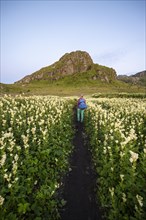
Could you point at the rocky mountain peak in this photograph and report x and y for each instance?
(75, 62)
(69, 64)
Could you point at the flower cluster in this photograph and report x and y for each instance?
(116, 127)
(36, 142)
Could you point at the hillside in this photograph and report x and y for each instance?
(137, 79)
(72, 74)
(69, 64)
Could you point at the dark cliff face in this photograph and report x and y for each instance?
(70, 64)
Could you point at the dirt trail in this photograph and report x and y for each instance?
(80, 183)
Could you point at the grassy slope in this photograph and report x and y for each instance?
(71, 85)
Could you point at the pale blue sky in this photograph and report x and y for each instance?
(35, 34)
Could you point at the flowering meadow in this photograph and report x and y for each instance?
(36, 141)
(117, 132)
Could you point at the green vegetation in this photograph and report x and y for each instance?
(36, 143)
(71, 85)
(73, 74)
(119, 95)
(116, 128)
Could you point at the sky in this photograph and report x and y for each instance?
(37, 33)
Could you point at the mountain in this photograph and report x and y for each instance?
(137, 79)
(141, 74)
(78, 62)
(73, 74)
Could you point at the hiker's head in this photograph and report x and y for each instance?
(81, 96)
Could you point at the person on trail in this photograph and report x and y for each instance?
(81, 106)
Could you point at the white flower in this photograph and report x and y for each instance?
(41, 122)
(16, 179)
(136, 208)
(104, 150)
(111, 131)
(140, 200)
(112, 191)
(16, 157)
(9, 185)
(14, 168)
(26, 146)
(2, 143)
(25, 139)
(112, 138)
(8, 135)
(56, 186)
(10, 129)
(134, 156)
(33, 130)
(121, 154)
(35, 182)
(3, 122)
(122, 177)
(124, 197)
(5, 176)
(2, 161)
(1, 200)
(18, 148)
(104, 143)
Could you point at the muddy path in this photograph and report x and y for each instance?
(79, 188)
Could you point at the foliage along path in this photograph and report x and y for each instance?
(79, 186)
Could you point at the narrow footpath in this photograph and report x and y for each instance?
(80, 183)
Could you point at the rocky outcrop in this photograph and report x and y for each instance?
(75, 62)
(104, 74)
(140, 74)
(70, 64)
(136, 79)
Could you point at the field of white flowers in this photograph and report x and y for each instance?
(117, 133)
(36, 141)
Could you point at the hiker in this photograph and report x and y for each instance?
(81, 106)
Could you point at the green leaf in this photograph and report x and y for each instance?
(22, 208)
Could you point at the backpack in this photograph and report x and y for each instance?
(82, 104)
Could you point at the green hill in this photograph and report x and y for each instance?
(73, 74)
